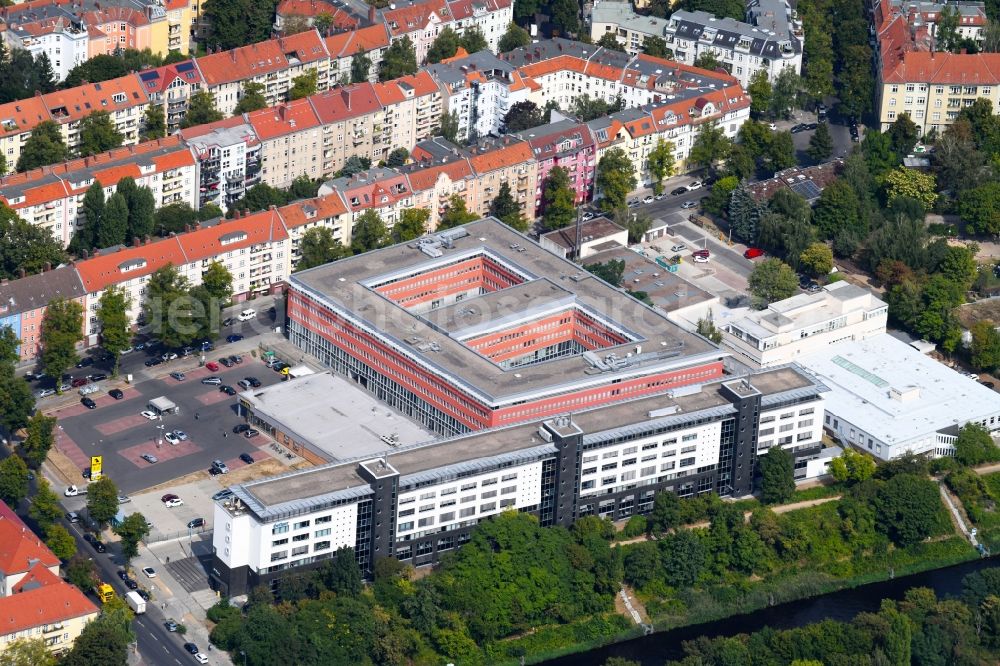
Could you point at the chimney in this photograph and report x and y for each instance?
(48, 267)
(146, 240)
(371, 14)
(187, 227)
(136, 242)
(282, 111)
(346, 94)
(232, 54)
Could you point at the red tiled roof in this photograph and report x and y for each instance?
(346, 102)
(7, 513)
(320, 208)
(38, 576)
(409, 18)
(211, 241)
(286, 118)
(75, 103)
(342, 19)
(272, 55)
(517, 152)
(22, 116)
(54, 602)
(159, 79)
(944, 68)
(20, 549)
(346, 44)
(114, 266)
(424, 177)
(371, 192)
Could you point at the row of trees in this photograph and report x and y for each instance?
(179, 313)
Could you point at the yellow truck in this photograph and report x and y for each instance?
(105, 592)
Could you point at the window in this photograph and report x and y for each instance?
(688, 438)
(299, 526)
(490, 493)
(427, 496)
(424, 522)
(648, 471)
(605, 468)
(405, 527)
(589, 470)
(489, 482)
(426, 507)
(300, 537)
(406, 512)
(489, 506)
(279, 542)
(321, 545)
(687, 462)
(446, 517)
(300, 550)
(323, 519)
(465, 513)
(280, 555)
(279, 528)
(689, 449)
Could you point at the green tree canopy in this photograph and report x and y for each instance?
(251, 99)
(318, 246)
(852, 466)
(777, 470)
(980, 208)
(60, 541)
(370, 232)
(361, 67)
(760, 93)
(17, 399)
(113, 227)
(201, 109)
(154, 123)
(112, 313)
(908, 508)
(236, 23)
(615, 178)
(62, 329)
(711, 145)
(514, 38)
(610, 271)
(45, 508)
(102, 500)
(506, 209)
(820, 144)
(974, 446)
(558, 200)
(661, 164)
(304, 84)
(473, 40)
(168, 307)
(522, 116)
(772, 280)
(817, 259)
(133, 529)
(400, 59)
(445, 45)
(44, 146)
(985, 345)
(13, 480)
(457, 214)
(98, 134)
(412, 224)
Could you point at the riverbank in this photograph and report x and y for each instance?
(731, 623)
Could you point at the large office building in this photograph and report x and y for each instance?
(417, 502)
(478, 327)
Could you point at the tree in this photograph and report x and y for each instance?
(615, 178)
(132, 530)
(141, 208)
(317, 247)
(113, 228)
(817, 260)
(565, 15)
(683, 556)
(780, 152)
(8, 347)
(60, 541)
(304, 85)
(445, 46)
(609, 40)
(514, 38)
(719, 196)
(903, 135)
(218, 282)
(252, 98)
(201, 109)
(656, 47)
(354, 164)
(820, 144)
(239, 22)
(852, 466)
(449, 126)
(666, 513)
(45, 146)
(837, 209)
(706, 328)
(45, 508)
(784, 91)
(904, 182)
(369, 233)
(62, 329)
(98, 134)
(772, 280)
(102, 500)
(112, 313)
(974, 446)
(472, 40)
(558, 200)
(777, 476)
(361, 67)
(661, 164)
(980, 208)
(744, 214)
(610, 271)
(27, 652)
(710, 146)
(985, 345)
(176, 217)
(456, 214)
(587, 108)
(341, 574)
(522, 116)
(93, 210)
(707, 60)
(154, 123)
(906, 508)
(168, 307)
(103, 641)
(17, 399)
(397, 158)
(760, 93)
(505, 208)
(13, 480)
(259, 197)
(412, 224)
(400, 59)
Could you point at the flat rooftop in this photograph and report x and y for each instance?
(344, 286)
(336, 418)
(343, 477)
(667, 290)
(862, 376)
(598, 227)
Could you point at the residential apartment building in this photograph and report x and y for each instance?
(423, 22)
(51, 197)
(770, 41)
(629, 28)
(342, 47)
(348, 116)
(434, 184)
(323, 211)
(385, 191)
(411, 112)
(804, 323)
(228, 153)
(170, 87)
(291, 142)
(342, 17)
(23, 303)
(70, 33)
(274, 64)
(122, 98)
(569, 145)
(36, 602)
(479, 89)
(606, 461)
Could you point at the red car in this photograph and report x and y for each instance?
(79, 381)
(212, 366)
(753, 253)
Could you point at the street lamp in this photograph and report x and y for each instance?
(244, 655)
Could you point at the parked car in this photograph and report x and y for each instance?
(753, 253)
(248, 314)
(79, 381)
(168, 356)
(227, 389)
(677, 248)
(175, 502)
(213, 381)
(242, 427)
(254, 382)
(633, 203)
(207, 346)
(124, 499)
(677, 191)
(222, 494)
(247, 458)
(221, 466)
(149, 571)
(85, 362)
(701, 256)
(251, 433)
(73, 517)
(187, 351)
(122, 574)
(196, 522)
(243, 384)
(236, 358)
(95, 543)
(179, 376)
(150, 414)
(201, 658)
(88, 403)
(150, 458)
(181, 435)
(648, 199)
(97, 377)
(226, 362)
(235, 337)
(172, 439)
(156, 360)
(696, 185)
(131, 584)
(213, 472)
(191, 647)
(212, 366)
(171, 626)
(44, 393)
(228, 321)
(116, 394)
(71, 491)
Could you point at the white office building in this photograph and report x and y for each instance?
(805, 323)
(888, 399)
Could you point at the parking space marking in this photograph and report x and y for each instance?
(213, 397)
(128, 392)
(71, 449)
(69, 411)
(164, 452)
(119, 425)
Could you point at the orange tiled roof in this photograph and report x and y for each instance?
(286, 118)
(38, 576)
(944, 68)
(56, 601)
(320, 208)
(116, 14)
(116, 265)
(346, 102)
(425, 177)
(75, 103)
(342, 20)
(22, 116)
(517, 152)
(261, 58)
(346, 44)
(20, 549)
(410, 18)
(41, 194)
(211, 241)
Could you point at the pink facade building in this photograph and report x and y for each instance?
(567, 144)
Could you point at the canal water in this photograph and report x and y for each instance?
(655, 649)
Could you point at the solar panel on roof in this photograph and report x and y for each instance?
(149, 76)
(185, 66)
(806, 188)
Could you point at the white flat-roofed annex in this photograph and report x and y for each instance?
(336, 418)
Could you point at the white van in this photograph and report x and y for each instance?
(248, 314)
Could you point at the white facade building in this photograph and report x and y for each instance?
(806, 323)
(63, 41)
(888, 399)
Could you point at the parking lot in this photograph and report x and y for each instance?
(117, 431)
